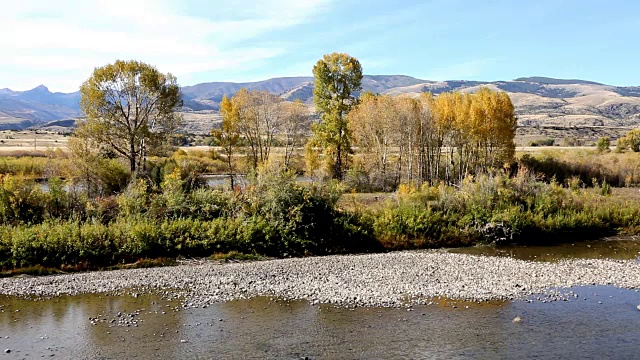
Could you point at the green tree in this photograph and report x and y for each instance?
(603, 144)
(336, 78)
(130, 108)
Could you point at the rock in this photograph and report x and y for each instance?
(517, 319)
(396, 279)
(6, 351)
(496, 233)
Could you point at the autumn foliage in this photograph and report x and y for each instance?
(433, 138)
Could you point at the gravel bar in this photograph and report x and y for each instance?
(391, 279)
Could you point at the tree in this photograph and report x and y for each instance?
(336, 78)
(373, 124)
(228, 134)
(98, 174)
(259, 119)
(603, 144)
(631, 140)
(130, 108)
(293, 128)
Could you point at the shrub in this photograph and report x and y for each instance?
(631, 140)
(603, 144)
(21, 200)
(542, 142)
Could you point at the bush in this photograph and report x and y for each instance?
(542, 142)
(529, 210)
(631, 140)
(275, 216)
(603, 144)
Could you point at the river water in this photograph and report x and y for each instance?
(600, 322)
(619, 248)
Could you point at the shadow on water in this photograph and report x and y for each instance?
(618, 248)
(602, 322)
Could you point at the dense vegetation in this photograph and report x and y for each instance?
(121, 193)
(275, 216)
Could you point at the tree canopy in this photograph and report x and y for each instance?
(337, 77)
(474, 132)
(130, 108)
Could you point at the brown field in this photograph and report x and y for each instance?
(28, 142)
(40, 141)
(585, 135)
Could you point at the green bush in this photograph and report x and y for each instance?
(603, 144)
(275, 216)
(542, 142)
(534, 212)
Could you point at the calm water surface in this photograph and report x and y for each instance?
(620, 248)
(602, 322)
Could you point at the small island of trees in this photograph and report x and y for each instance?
(363, 172)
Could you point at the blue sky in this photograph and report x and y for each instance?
(58, 43)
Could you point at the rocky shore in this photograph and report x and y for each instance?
(391, 279)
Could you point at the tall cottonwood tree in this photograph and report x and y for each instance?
(228, 134)
(374, 127)
(259, 118)
(337, 77)
(130, 108)
(293, 128)
(263, 120)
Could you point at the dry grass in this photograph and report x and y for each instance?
(358, 202)
(618, 169)
(30, 141)
(586, 135)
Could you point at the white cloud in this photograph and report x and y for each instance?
(66, 39)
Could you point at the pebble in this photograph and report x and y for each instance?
(393, 279)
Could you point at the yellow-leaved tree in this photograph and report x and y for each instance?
(131, 110)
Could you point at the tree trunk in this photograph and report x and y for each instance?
(338, 165)
(132, 158)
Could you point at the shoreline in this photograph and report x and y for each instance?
(394, 279)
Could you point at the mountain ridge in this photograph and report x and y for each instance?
(538, 100)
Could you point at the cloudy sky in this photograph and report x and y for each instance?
(58, 43)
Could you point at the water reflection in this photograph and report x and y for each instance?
(61, 326)
(606, 324)
(627, 248)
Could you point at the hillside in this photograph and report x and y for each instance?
(207, 96)
(539, 101)
(21, 109)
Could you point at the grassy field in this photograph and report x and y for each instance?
(27, 141)
(564, 135)
(200, 123)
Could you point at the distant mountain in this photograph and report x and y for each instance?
(552, 81)
(538, 100)
(20, 109)
(207, 96)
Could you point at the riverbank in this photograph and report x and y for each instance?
(277, 217)
(381, 280)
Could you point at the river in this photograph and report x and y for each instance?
(597, 322)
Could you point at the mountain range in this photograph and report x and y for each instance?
(538, 101)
